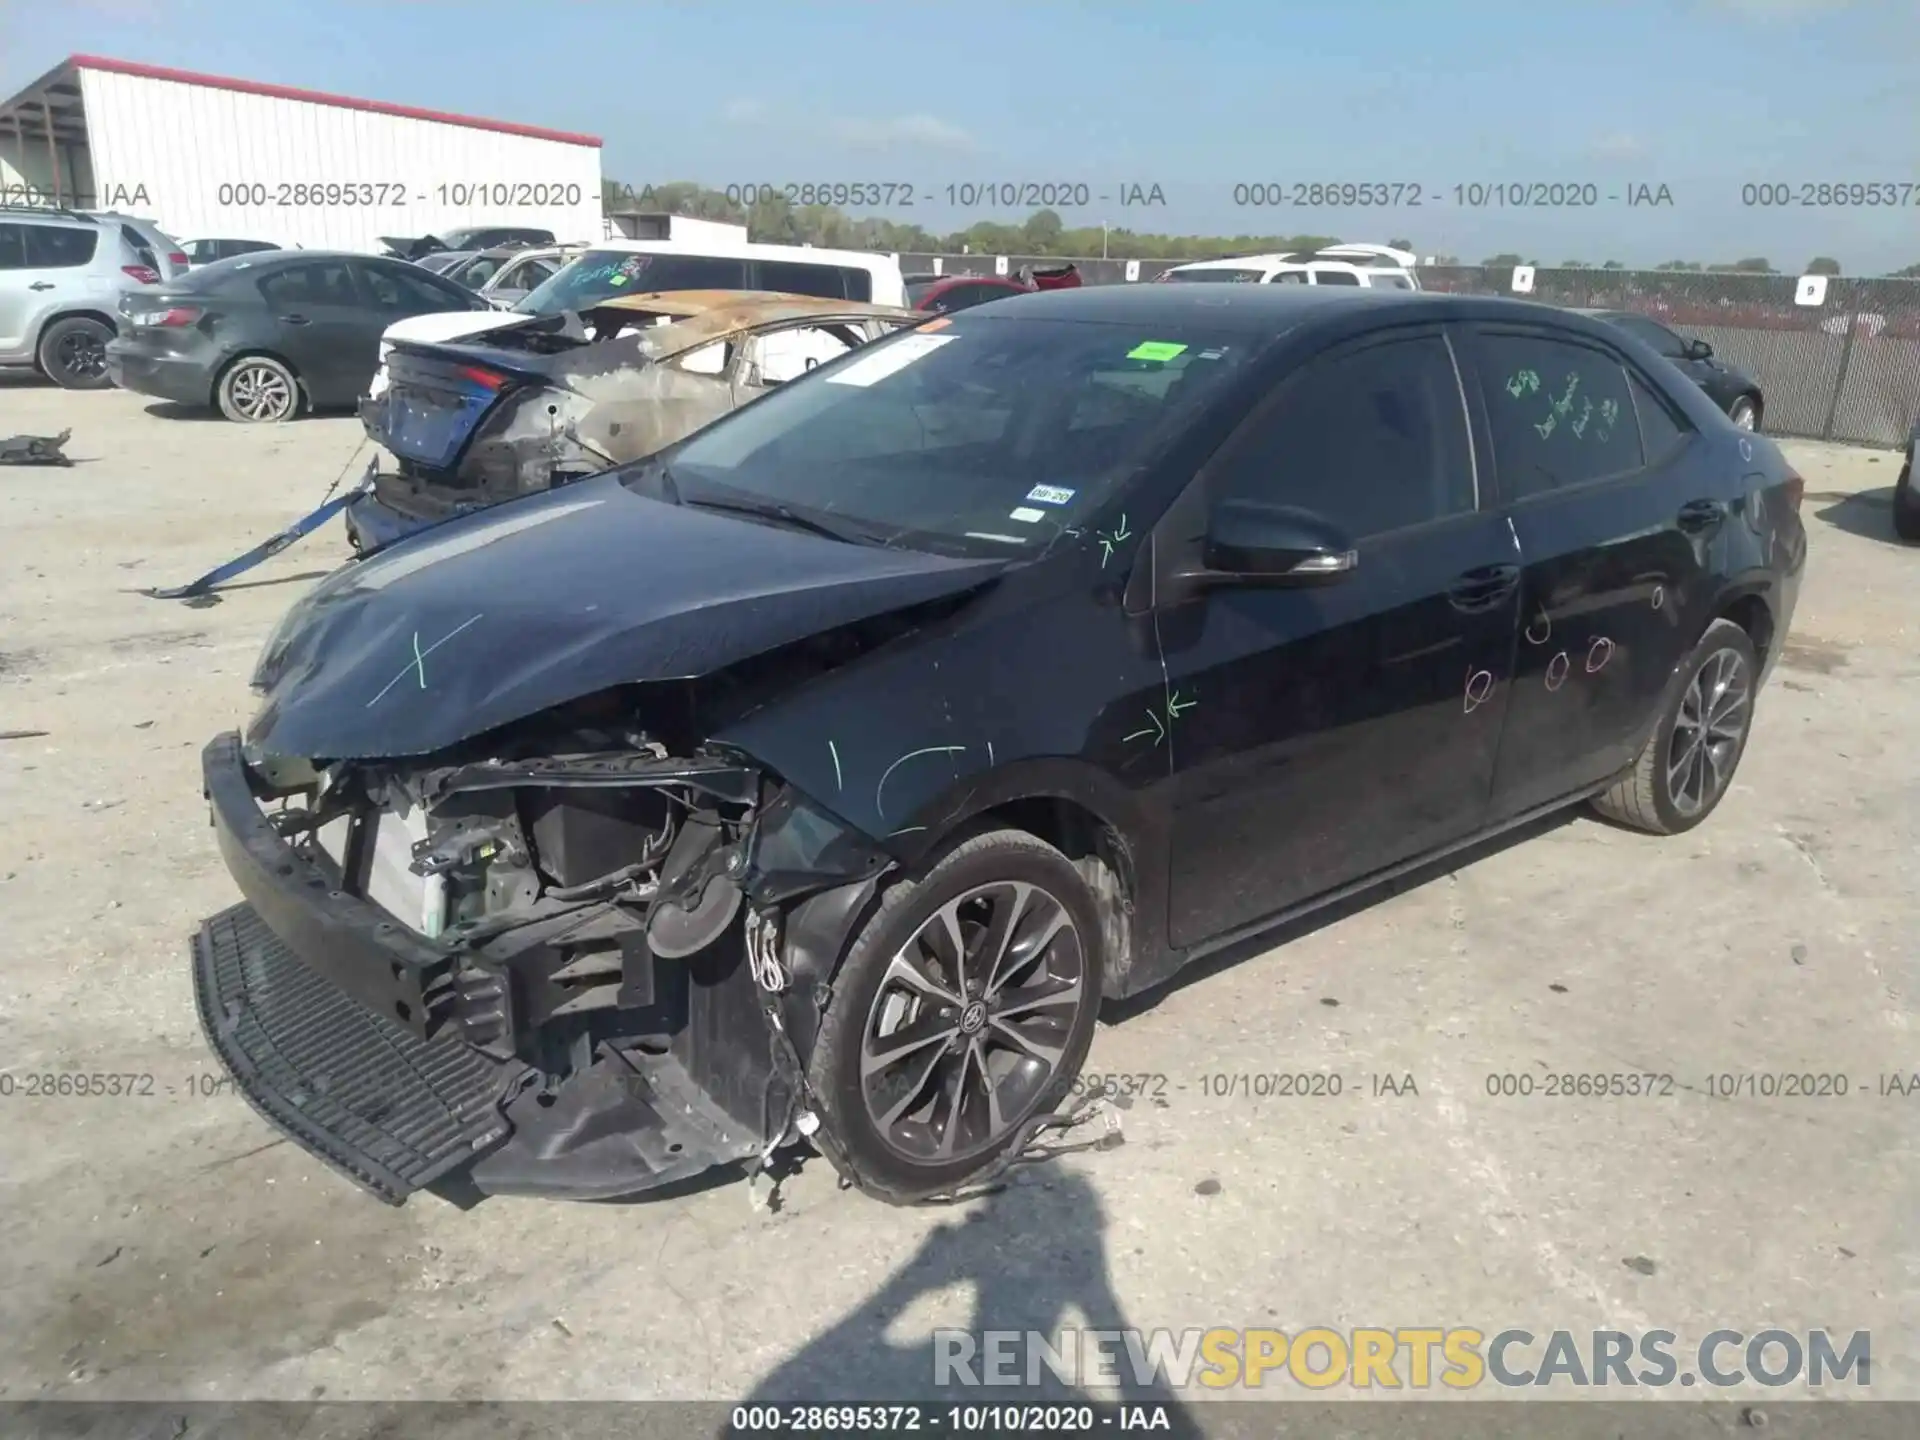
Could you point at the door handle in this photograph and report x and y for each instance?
(296, 319)
(1483, 588)
(42, 285)
(1698, 515)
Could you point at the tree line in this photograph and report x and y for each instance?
(776, 220)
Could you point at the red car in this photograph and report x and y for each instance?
(943, 294)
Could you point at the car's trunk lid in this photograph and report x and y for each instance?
(437, 396)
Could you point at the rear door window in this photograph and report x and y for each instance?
(13, 247)
(60, 247)
(1327, 275)
(1561, 413)
(313, 284)
(400, 291)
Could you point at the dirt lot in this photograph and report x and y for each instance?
(168, 1245)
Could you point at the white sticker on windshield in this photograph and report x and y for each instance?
(1049, 495)
(889, 360)
(1026, 516)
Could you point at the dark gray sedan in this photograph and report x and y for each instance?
(1734, 391)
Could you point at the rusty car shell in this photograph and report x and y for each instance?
(470, 424)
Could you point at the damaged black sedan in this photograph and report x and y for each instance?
(815, 778)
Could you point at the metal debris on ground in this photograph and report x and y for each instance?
(1026, 1148)
(330, 506)
(35, 449)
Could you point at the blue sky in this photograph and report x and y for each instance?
(1192, 95)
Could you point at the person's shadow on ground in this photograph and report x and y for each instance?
(1035, 1257)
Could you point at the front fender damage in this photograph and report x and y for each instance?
(645, 928)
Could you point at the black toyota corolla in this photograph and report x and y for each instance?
(818, 777)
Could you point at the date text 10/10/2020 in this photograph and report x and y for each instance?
(904, 194)
(1473, 195)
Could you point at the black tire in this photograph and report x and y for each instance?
(1648, 796)
(258, 390)
(1906, 506)
(855, 1143)
(73, 353)
(1745, 412)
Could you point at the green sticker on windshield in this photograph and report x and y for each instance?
(1159, 351)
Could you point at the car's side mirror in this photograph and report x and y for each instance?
(1697, 350)
(1249, 542)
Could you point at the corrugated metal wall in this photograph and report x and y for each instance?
(197, 159)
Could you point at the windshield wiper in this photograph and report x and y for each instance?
(785, 515)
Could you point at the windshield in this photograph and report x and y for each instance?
(1217, 275)
(595, 276)
(977, 436)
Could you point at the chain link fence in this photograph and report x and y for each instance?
(1846, 369)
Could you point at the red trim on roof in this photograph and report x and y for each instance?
(320, 97)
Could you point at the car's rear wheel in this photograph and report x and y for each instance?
(256, 390)
(965, 1007)
(1745, 413)
(73, 353)
(1906, 505)
(1684, 770)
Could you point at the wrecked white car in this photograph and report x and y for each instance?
(469, 424)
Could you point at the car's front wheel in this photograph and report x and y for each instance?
(1745, 413)
(964, 1009)
(257, 389)
(73, 353)
(1906, 505)
(1684, 770)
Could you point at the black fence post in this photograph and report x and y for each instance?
(1840, 380)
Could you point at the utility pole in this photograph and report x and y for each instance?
(1103, 239)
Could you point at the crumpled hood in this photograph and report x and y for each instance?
(505, 613)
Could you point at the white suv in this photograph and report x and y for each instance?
(62, 273)
(1368, 266)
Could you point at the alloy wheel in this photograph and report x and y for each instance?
(1708, 731)
(261, 393)
(81, 354)
(971, 1021)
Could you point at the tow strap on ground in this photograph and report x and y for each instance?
(329, 507)
(35, 449)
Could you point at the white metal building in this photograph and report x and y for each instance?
(206, 156)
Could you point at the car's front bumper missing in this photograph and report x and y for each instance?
(392, 1057)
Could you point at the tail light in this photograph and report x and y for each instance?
(1794, 488)
(174, 318)
(483, 377)
(178, 259)
(146, 275)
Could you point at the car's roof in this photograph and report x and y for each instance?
(1253, 307)
(702, 315)
(748, 250)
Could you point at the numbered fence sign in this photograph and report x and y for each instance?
(999, 264)
(1523, 279)
(1810, 290)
